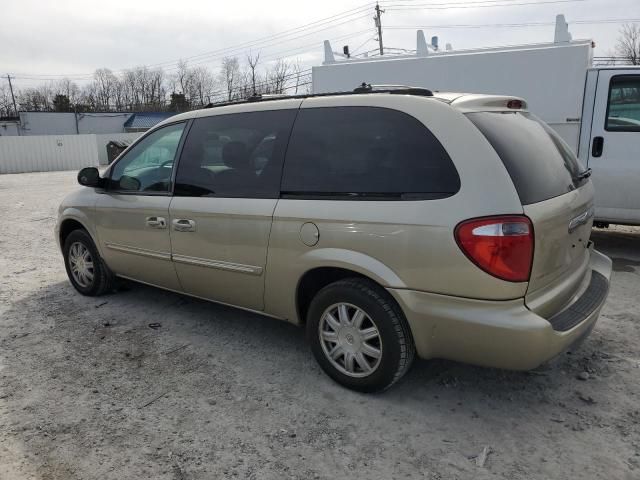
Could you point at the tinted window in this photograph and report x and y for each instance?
(623, 110)
(361, 152)
(147, 166)
(235, 155)
(540, 163)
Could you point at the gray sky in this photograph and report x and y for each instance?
(43, 40)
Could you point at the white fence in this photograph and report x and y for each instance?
(55, 152)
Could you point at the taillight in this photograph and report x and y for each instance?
(501, 246)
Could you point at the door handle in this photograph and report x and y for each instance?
(183, 225)
(597, 146)
(156, 222)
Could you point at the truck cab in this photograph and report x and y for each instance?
(610, 142)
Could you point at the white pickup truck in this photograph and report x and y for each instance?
(609, 142)
(596, 110)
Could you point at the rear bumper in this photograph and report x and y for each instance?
(501, 334)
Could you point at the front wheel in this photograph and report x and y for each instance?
(359, 335)
(85, 269)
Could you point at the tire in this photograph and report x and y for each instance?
(362, 361)
(102, 280)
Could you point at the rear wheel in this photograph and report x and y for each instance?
(359, 335)
(85, 269)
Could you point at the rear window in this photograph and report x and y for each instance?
(365, 153)
(540, 163)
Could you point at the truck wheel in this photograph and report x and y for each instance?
(359, 335)
(86, 270)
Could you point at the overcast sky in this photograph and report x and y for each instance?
(74, 37)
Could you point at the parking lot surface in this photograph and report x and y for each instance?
(89, 391)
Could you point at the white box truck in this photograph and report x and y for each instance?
(596, 110)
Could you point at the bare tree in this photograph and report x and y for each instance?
(129, 88)
(230, 76)
(38, 99)
(182, 76)
(202, 85)
(252, 61)
(277, 76)
(67, 88)
(139, 88)
(628, 46)
(104, 86)
(6, 102)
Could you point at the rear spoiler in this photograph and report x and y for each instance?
(484, 103)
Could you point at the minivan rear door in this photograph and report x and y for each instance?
(556, 195)
(614, 147)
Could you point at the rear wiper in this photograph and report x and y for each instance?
(583, 175)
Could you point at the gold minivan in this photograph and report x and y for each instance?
(389, 222)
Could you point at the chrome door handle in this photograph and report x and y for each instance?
(156, 222)
(183, 225)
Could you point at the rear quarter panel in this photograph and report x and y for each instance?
(400, 244)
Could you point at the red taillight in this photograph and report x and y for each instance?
(501, 246)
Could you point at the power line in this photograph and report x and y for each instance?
(263, 42)
(355, 50)
(461, 5)
(346, 16)
(513, 25)
(249, 44)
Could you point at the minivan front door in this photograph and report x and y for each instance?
(614, 153)
(227, 187)
(132, 216)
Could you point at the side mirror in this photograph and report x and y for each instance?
(89, 177)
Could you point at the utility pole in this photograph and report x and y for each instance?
(15, 109)
(378, 23)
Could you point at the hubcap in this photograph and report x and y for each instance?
(350, 340)
(81, 264)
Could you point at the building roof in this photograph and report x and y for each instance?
(146, 119)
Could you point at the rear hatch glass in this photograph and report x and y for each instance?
(556, 195)
(540, 164)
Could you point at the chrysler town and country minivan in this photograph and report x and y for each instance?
(389, 222)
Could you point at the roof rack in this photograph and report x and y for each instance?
(364, 88)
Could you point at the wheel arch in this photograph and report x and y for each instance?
(316, 278)
(74, 221)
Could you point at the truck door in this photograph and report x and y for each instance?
(614, 151)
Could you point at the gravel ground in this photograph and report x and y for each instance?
(89, 391)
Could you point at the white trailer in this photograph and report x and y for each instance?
(595, 110)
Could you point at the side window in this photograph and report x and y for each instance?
(365, 153)
(148, 165)
(623, 110)
(235, 155)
